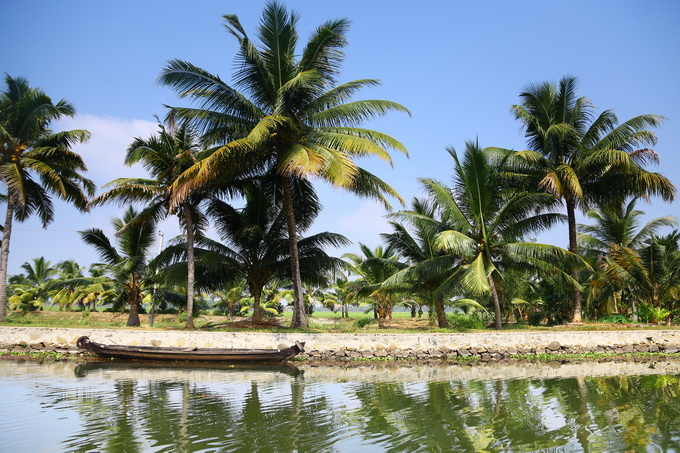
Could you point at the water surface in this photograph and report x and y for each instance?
(135, 407)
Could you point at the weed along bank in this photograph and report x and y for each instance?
(347, 346)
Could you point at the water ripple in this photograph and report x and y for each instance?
(149, 410)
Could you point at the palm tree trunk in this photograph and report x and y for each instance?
(299, 320)
(441, 313)
(191, 266)
(382, 313)
(583, 419)
(133, 298)
(496, 302)
(257, 309)
(4, 259)
(576, 294)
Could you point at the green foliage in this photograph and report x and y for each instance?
(23, 299)
(483, 219)
(268, 307)
(463, 321)
(374, 267)
(650, 313)
(129, 273)
(584, 158)
(616, 318)
(363, 322)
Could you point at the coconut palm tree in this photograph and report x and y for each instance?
(165, 156)
(65, 292)
(36, 163)
(661, 260)
(229, 298)
(487, 223)
(614, 242)
(620, 225)
(254, 247)
(429, 267)
(374, 267)
(339, 295)
(31, 289)
(127, 264)
(286, 113)
(583, 158)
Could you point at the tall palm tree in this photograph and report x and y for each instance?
(583, 158)
(487, 223)
(254, 247)
(285, 113)
(165, 156)
(35, 162)
(127, 264)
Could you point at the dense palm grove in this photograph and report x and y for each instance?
(242, 157)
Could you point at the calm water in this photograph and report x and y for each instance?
(127, 407)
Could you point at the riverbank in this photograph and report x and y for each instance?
(494, 345)
(367, 371)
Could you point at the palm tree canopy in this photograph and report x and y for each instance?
(254, 244)
(284, 111)
(165, 156)
(620, 225)
(34, 161)
(374, 267)
(127, 258)
(414, 238)
(588, 157)
(484, 222)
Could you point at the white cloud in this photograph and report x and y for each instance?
(104, 152)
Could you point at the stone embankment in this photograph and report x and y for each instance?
(483, 345)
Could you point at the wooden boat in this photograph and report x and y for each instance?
(189, 354)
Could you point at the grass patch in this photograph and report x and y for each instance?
(320, 322)
(590, 355)
(41, 355)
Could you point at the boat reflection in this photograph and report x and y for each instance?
(158, 368)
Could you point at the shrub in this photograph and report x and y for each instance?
(462, 321)
(363, 322)
(650, 313)
(616, 318)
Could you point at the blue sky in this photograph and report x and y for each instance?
(458, 66)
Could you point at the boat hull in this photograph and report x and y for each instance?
(189, 354)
